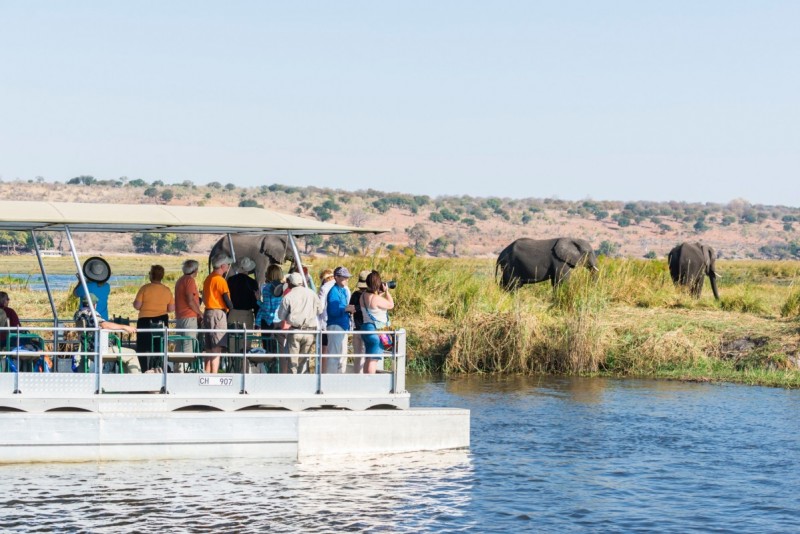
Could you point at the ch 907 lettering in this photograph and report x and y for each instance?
(216, 380)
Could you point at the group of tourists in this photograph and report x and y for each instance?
(288, 309)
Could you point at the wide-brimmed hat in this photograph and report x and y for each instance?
(362, 279)
(245, 265)
(96, 269)
(341, 271)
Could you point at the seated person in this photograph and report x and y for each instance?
(12, 319)
(85, 319)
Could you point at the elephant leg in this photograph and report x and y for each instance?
(510, 282)
(560, 274)
(697, 286)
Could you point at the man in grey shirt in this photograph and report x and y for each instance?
(299, 308)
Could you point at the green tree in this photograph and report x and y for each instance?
(608, 248)
(249, 203)
(701, 226)
(157, 243)
(167, 195)
(229, 187)
(82, 180)
(138, 182)
(321, 213)
(330, 205)
(12, 240)
(151, 192)
(419, 236)
(312, 243)
(439, 246)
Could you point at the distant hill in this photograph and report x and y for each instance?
(444, 226)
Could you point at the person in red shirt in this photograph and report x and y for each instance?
(187, 303)
(13, 318)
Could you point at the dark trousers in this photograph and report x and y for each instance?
(151, 341)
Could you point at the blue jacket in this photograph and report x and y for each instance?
(338, 298)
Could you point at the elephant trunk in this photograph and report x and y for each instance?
(713, 277)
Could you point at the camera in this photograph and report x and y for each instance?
(391, 284)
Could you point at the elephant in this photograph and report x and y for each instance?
(264, 249)
(528, 261)
(689, 263)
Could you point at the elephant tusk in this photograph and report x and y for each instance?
(594, 268)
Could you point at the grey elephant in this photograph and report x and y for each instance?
(690, 263)
(264, 249)
(528, 261)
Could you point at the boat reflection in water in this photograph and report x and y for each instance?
(398, 493)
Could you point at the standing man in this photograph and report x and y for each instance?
(338, 309)
(217, 299)
(244, 296)
(299, 308)
(187, 303)
(244, 293)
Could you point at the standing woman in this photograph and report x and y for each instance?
(267, 318)
(375, 305)
(154, 302)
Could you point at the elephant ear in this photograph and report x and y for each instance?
(568, 251)
(709, 255)
(268, 248)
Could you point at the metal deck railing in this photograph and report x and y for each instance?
(38, 364)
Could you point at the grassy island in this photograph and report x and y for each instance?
(627, 321)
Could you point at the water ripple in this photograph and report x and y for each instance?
(550, 454)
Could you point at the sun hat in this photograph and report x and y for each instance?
(96, 269)
(245, 265)
(295, 279)
(362, 279)
(341, 271)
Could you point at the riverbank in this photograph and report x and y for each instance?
(628, 321)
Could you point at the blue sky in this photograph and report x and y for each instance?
(624, 100)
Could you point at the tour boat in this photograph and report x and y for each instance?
(69, 416)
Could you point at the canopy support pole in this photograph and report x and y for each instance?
(98, 362)
(233, 254)
(44, 277)
(296, 254)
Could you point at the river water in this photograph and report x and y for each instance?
(548, 454)
(62, 282)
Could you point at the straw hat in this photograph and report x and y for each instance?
(96, 269)
(362, 279)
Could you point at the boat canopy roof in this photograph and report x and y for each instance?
(102, 217)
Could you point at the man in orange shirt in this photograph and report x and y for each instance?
(217, 299)
(187, 305)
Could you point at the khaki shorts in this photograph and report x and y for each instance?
(215, 320)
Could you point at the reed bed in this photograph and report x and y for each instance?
(628, 320)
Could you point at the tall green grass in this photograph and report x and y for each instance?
(628, 320)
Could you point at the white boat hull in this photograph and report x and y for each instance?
(279, 435)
